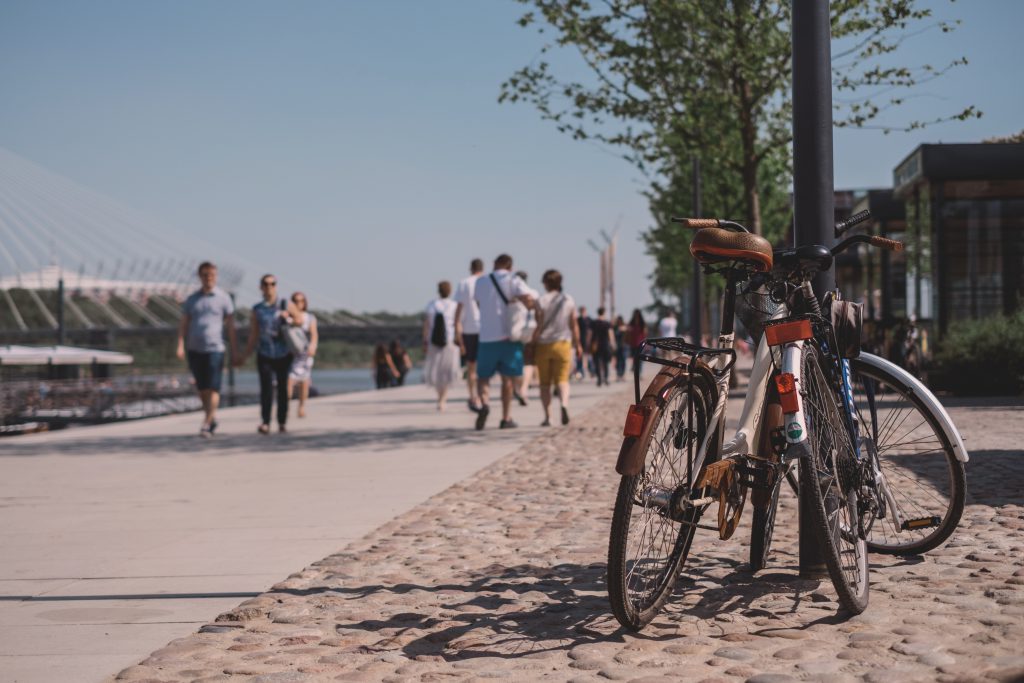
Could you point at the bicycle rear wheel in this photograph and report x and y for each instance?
(648, 544)
(830, 476)
(926, 481)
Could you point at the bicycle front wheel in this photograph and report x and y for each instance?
(830, 476)
(923, 484)
(648, 542)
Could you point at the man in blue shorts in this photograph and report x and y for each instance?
(498, 352)
(205, 314)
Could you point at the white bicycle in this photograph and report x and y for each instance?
(877, 454)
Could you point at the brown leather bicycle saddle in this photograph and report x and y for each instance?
(714, 245)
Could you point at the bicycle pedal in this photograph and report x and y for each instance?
(921, 523)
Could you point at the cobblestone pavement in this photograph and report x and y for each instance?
(501, 576)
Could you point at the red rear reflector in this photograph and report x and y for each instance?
(783, 333)
(635, 419)
(786, 384)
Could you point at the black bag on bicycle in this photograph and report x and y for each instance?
(848, 323)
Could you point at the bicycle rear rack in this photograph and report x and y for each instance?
(678, 345)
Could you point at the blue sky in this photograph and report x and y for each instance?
(357, 149)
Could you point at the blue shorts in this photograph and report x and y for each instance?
(504, 357)
(207, 369)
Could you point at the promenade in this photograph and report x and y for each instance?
(501, 576)
(119, 538)
(493, 569)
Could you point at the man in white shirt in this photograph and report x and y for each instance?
(667, 325)
(467, 328)
(499, 351)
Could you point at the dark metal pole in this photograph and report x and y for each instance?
(60, 312)
(813, 186)
(695, 293)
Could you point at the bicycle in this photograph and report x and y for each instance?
(814, 407)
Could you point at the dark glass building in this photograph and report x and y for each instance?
(964, 233)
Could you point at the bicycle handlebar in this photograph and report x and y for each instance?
(696, 223)
(701, 223)
(873, 240)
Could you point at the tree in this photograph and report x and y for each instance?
(672, 78)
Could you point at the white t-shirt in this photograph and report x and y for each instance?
(492, 308)
(446, 307)
(557, 328)
(667, 327)
(470, 311)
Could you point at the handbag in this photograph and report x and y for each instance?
(515, 316)
(295, 338)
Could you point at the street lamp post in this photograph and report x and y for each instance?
(813, 188)
(696, 300)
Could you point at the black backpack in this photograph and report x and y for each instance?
(438, 334)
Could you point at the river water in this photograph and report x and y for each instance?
(335, 381)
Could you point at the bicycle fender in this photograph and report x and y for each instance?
(926, 396)
(633, 451)
(793, 423)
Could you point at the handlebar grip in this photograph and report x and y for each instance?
(696, 223)
(885, 243)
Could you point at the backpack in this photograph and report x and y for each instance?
(438, 333)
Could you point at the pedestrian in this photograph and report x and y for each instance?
(522, 385)
(583, 361)
(385, 372)
(637, 335)
(301, 374)
(602, 344)
(556, 336)
(442, 368)
(501, 348)
(621, 331)
(400, 359)
(467, 328)
(205, 315)
(667, 325)
(273, 358)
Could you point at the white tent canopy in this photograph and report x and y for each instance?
(60, 355)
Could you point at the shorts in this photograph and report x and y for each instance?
(472, 344)
(504, 357)
(553, 362)
(207, 369)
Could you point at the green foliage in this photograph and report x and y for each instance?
(670, 80)
(984, 356)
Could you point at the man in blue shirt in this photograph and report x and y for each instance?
(205, 314)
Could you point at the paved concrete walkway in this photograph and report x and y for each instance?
(502, 576)
(119, 538)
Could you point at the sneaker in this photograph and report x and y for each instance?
(213, 427)
(481, 416)
(565, 416)
(282, 428)
(508, 424)
(263, 429)
(472, 408)
(205, 432)
(545, 423)
(519, 397)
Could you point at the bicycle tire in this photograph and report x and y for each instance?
(828, 474)
(765, 503)
(633, 610)
(762, 527)
(917, 483)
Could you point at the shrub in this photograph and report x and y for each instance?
(984, 356)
